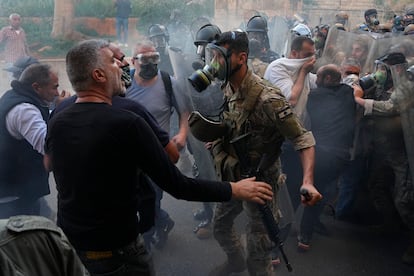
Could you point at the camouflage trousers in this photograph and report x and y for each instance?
(403, 191)
(258, 242)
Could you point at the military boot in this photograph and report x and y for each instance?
(235, 263)
(408, 257)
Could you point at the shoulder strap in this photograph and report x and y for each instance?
(167, 83)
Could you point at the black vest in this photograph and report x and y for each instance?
(22, 173)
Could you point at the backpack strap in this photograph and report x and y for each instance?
(167, 83)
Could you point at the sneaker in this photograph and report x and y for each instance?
(303, 244)
(161, 235)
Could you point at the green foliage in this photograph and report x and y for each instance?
(95, 8)
(37, 17)
(32, 8)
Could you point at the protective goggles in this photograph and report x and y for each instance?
(147, 58)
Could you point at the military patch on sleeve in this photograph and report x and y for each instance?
(285, 112)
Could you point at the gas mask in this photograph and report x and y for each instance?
(372, 19)
(217, 68)
(380, 78)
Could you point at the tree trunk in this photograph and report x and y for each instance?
(63, 17)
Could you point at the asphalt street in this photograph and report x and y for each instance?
(350, 250)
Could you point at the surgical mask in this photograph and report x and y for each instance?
(148, 71)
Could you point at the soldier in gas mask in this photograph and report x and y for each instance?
(392, 143)
(257, 29)
(371, 21)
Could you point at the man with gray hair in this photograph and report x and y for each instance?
(96, 152)
(24, 114)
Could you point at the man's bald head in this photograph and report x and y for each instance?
(328, 75)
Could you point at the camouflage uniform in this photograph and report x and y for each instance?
(261, 110)
(391, 149)
(31, 245)
(259, 67)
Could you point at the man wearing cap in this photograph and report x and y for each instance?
(14, 38)
(24, 112)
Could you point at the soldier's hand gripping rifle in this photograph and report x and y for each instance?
(246, 170)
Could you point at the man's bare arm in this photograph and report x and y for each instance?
(307, 157)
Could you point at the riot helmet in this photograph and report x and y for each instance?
(257, 29)
(158, 34)
(206, 34)
(301, 30)
(257, 24)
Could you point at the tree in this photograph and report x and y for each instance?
(63, 21)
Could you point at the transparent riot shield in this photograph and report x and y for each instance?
(403, 97)
(388, 43)
(182, 66)
(340, 45)
(278, 33)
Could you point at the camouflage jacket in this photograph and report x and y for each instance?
(259, 119)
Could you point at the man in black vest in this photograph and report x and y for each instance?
(24, 111)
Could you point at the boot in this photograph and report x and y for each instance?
(408, 257)
(235, 263)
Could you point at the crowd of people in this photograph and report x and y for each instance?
(332, 114)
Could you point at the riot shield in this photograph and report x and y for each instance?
(384, 44)
(182, 67)
(340, 45)
(403, 96)
(278, 33)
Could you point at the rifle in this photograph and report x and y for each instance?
(246, 170)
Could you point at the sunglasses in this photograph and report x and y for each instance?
(146, 58)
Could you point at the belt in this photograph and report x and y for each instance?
(130, 248)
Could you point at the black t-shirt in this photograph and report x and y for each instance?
(130, 105)
(96, 151)
(332, 115)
